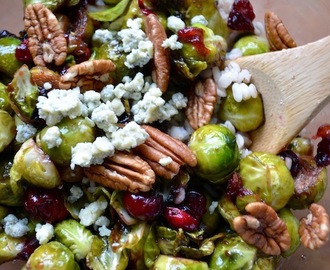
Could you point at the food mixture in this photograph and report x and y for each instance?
(125, 141)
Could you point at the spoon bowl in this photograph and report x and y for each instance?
(295, 86)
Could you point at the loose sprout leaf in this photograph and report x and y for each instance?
(110, 14)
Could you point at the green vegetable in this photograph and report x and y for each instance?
(10, 247)
(267, 176)
(52, 256)
(216, 152)
(252, 44)
(53, 5)
(164, 262)
(7, 129)
(301, 146)
(8, 62)
(4, 99)
(110, 13)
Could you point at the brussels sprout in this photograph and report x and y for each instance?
(267, 176)
(74, 236)
(22, 92)
(4, 99)
(309, 184)
(10, 247)
(7, 129)
(52, 255)
(33, 165)
(233, 253)
(52, 4)
(164, 262)
(216, 151)
(301, 146)
(150, 250)
(111, 13)
(8, 62)
(252, 44)
(58, 141)
(211, 219)
(246, 115)
(292, 224)
(266, 263)
(228, 210)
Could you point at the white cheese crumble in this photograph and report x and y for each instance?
(199, 19)
(44, 232)
(213, 206)
(102, 222)
(75, 194)
(91, 100)
(24, 132)
(175, 23)
(165, 161)
(172, 43)
(92, 212)
(15, 227)
(141, 55)
(52, 137)
(105, 118)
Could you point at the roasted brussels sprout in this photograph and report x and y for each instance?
(233, 253)
(164, 262)
(58, 141)
(216, 151)
(246, 115)
(301, 146)
(8, 62)
(52, 255)
(10, 247)
(266, 263)
(75, 236)
(267, 176)
(52, 4)
(4, 99)
(7, 129)
(252, 44)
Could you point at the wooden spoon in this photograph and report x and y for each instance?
(295, 86)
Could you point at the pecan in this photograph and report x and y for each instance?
(201, 103)
(156, 34)
(46, 39)
(277, 34)
(314, 230)
(92, 74)
(123, 171)
(263, 228)
(160, 146)
(41, 75)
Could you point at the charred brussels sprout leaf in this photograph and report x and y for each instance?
(216, 151)
(7, 129)
(10, 247)
(267, 176)
(74, 236)
(164, 262)
(52, 256)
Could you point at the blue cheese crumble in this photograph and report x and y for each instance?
(44, 232)
(52, 137)
(89, 215)
(15, 227)
(24, 132)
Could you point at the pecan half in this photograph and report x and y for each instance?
(201, 103)
(123, 171)
(314, 230)
(156, 34)
(276, 33)
(46, 39)
(160, 146)
(92, 74)
(41, 75)
(263, 228)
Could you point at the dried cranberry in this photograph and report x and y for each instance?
(22, 52)
(235, 187)
(45, 204)
(178, 218)
(322, 157)
(323, 131)
(194, 36)
(241, 16)
(143, 205)
(143, 8)
(295, 166)
(29, 247)
(195, 203)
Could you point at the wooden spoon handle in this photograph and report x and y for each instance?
(295, 86)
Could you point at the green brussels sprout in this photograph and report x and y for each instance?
(52, 255)
(52, 4)
(228, 210)
(22, 92)
(74, 236)
(4, 99)
(301, 146)
(34, 166)
(310, 184)
(150, 250)
(246, 115)
(7, 129)
(8, 62)
(111, 13)
(165, 262)
(266, 263)
(71, 132)
(10, 247)
(292, 224)
(267, 176)
(216, 151)
(252, 44)
(233, 253)
(211, 220)
(8, 195)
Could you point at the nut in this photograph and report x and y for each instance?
(156, 34)
(92, 74)
(123, 171)
(160, 146)
(201, 103)
(263, 228)
(314, 229)
(277, 34)
(41, 75)
(46, 38)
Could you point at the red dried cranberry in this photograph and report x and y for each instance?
(295, 161)
(322, 157)
(178, 218)
(323, 131)
(194, 36)
(45, 204)
(143, 8)
(241, 16)
(22, 52)
(235, 187)
(143, 205)
(195, 203)
(29, 247)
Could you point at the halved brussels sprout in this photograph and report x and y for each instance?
(267, 176)
(252, 44)
(7, 129)
(10, 247)
(52, 256)
(164, 262)
(216, 151)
